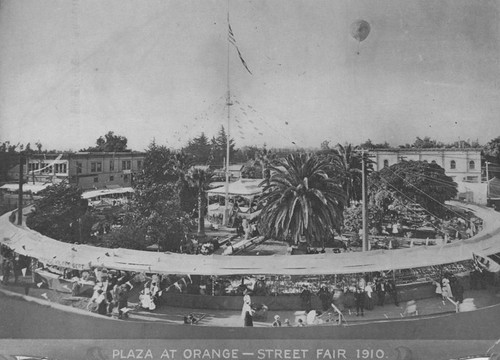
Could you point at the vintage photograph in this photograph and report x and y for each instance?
(249, 179)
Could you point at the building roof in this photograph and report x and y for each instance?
(242, 187)
(103, 192)
(236, 167)
(28, 187)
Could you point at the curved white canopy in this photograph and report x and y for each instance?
(28, 242)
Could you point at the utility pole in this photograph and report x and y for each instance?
(364, 205)
(225, 219)
(20, 195)
(487, 182)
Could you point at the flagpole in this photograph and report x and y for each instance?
(228, 103)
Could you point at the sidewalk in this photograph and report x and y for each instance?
(231, 318)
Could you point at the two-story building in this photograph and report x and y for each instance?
(461, 164)
(87, 170)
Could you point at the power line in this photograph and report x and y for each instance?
(423, 192)
(414, 202)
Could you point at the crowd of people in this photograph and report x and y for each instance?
(111, 293)
(13, 265)
(358, 297)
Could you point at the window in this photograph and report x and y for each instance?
(112, 165)
(453, 164)
(79, 167)
(96, 179)
(472, 165)
(126, 165)
(60, 168)
(95, 166)
(139, 164)
(125, 177)
(386, 163)
(111, 178)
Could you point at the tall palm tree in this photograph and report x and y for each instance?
(350, 174)
(301, 199)
(178, 166)
(200, 179)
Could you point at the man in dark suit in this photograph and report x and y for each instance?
(381, 288)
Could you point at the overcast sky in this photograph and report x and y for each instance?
(70, 71)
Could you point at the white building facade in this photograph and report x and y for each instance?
(462, 165)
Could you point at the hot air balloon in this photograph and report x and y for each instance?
(360, 30)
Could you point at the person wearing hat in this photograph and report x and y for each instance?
(446, 288)
(359, 299)
(305, 297)
(247, 311)
(122, 297)
(325, 297)
(277, 321)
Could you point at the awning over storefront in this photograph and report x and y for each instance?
(30, 243)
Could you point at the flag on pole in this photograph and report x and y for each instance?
(178, 287)
(232, 40)
(486, 263)
(39, 284)
(190, 280)
(44, 295)
(184, 281)
(23, 270)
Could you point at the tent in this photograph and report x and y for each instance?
(247, 189)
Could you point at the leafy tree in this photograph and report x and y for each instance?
(300, 199)
(218, 148)
(156, 215)
(58, 214)
(369, 145)
(109, 143)
(491, 152)
(199, 149)
(348, 165)
(353, 218)
(420, 182)
(179, 165)
(325, 145)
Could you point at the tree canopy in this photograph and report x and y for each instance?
(109, 143)
(301, 200)
(58, 214)
(415, 181)
(218, 148)
(491, 152)
(199, 148)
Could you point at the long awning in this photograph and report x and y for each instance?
(49, 251)
(27, 187)
(242, 187)
(105, 192)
